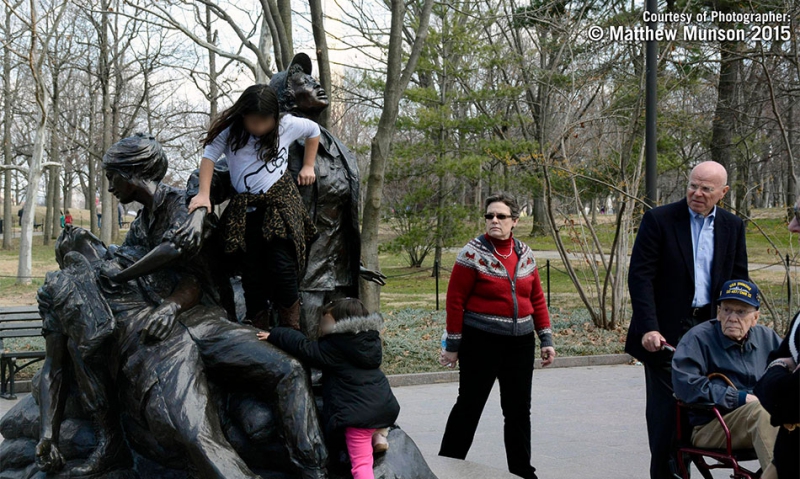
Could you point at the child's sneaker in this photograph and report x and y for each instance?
(379, 442)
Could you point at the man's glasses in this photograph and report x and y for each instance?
(491, 216)
(707, 190)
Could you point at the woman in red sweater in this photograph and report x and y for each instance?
(495, 304)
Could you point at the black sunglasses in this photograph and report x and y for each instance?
(501, 217)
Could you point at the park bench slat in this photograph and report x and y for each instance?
(22, 333)
(23, 354)
(18, 325)
(18, 309)
(31, 316)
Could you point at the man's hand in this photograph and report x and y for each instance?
(48, 457)
(162, 320)
(262, 335)
(750, 398)
(652, 341)
(448, 359)
(306, 176)
(548, 356)
(372, 275)
(200, 201)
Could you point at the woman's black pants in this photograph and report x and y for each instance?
(485, 357)
(269, 269)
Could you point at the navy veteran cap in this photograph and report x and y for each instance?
(740, 290)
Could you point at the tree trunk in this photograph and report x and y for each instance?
(90, 192)
(53, 218)
(725, 117)
(323, 64)
(47, 222)
(213, 87)
(8, 116)
(34, 175)
(57, 204)
(397, 79)
(105, 91)
(285, 12)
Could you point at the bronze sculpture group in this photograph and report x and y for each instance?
(148, 373)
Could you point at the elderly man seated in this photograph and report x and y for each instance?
(735, 347)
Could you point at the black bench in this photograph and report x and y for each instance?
(17, 322)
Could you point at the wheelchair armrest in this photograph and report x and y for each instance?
(702, 406)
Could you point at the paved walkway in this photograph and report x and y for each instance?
(588, 423)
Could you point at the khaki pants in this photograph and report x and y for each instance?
(750, 429)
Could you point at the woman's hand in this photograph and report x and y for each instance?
(262, 335)
(306, 176)
(200, 200)
(548, 356)
(448, 359)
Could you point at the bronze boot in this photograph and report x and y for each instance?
(111, 453)
(290, 317)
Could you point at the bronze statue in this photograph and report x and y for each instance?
(334, 257)
(146, 376)
(100, 332)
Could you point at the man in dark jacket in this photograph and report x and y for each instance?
(684, 251)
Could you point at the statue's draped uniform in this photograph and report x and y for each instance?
(334, 257)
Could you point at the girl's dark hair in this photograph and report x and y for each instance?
(259, 99)
(507, 199)
(345, 308)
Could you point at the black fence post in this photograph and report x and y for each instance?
(548, 283)
(436, 275)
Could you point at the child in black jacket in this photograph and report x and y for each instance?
(357, 398)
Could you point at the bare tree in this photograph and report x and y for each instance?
(397, 78)
(36, 56)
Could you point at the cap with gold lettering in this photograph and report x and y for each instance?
(740, 290)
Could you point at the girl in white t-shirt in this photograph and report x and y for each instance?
(265, 226)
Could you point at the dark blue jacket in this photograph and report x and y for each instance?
(661, 276)
(705, 350)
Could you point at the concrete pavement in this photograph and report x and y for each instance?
(588, 423)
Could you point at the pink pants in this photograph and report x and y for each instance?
(359, 446)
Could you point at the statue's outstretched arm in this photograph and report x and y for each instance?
(185, 243)
(52, 397)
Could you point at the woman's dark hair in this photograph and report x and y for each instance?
(507, 199)
(345, 308)
(259, 99)
(138, 156)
